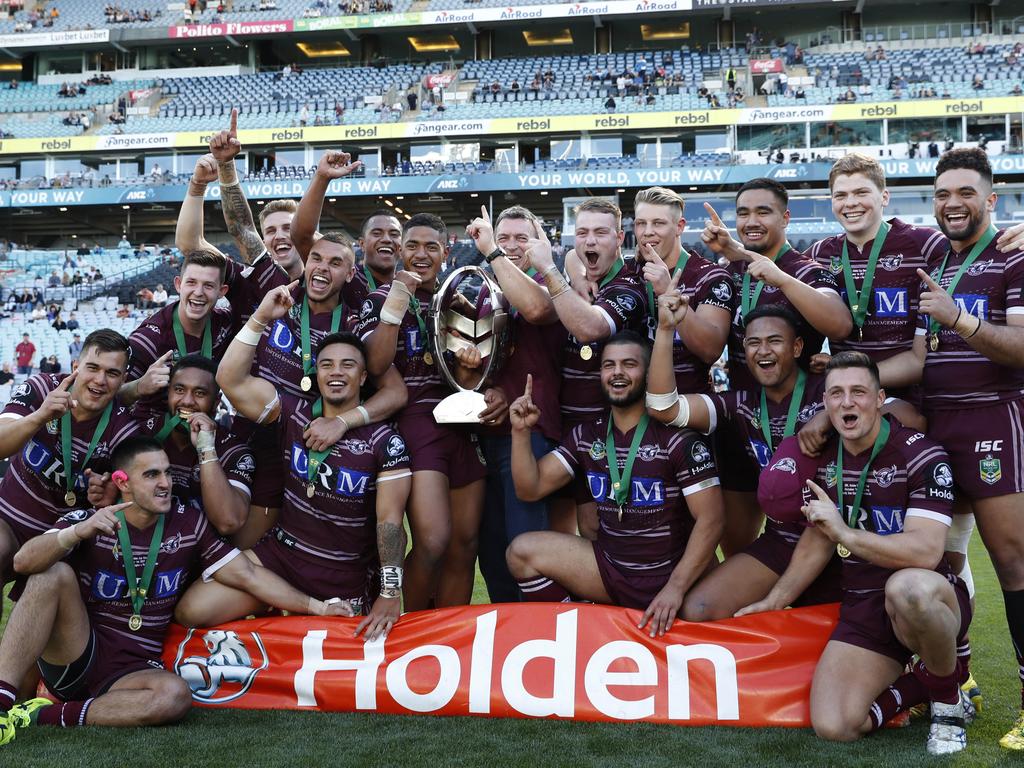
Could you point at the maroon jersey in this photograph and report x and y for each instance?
(892, 314)
(703, 283)
(356, 290)
(190, 549)
(421, 377)
(32, 492)
(279, 353)
(339, 524)
(795, 264)
(739, 412)
(781, 488)
(623, 303)
(955, 375)
(248, 284)
(910, 477)
(670, 464)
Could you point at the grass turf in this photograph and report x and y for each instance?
(224, 738)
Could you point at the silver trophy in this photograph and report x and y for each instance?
(470, 314)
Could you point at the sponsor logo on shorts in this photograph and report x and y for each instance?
(990, 469)
(884, 477)
(943, 475)
(891, 263)
(784, 465)
(700, 453)
(228, 668)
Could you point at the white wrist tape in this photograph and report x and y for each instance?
(396, 304)
(67, 538)
(248, 336)
(205, 441)
(959, 534)
(662, 402)
(365, 414)
(317, 607)
(683, 417)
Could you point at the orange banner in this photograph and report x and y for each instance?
(571, 661)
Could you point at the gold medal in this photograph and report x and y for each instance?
(842, 551)
(310, 490)
(586, 352)
(428, 358)
(306, 383)
(70, 499)
(135, 622)
(933, 342)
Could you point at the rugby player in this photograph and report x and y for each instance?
(657, 495)
(97, 643)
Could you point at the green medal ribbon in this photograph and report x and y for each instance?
(748, 300)
(170, 422)
(414, 305)
(369, 278)
(684, 256)
(859, 302)
(179, 335)
(137, 593)
(795, 403)
(883, 435)
(620, 485)
(531, 272)
(981, 245)
(316, 458)
(612, 273)
(307, 348)
(70, 473)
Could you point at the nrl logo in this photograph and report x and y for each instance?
(51, 426)
(226, 672)
(597, 451)
(830, 474)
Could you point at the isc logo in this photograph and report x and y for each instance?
(984, 446)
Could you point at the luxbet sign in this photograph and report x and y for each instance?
(582, 662)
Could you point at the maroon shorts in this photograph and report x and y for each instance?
(268, 481)
(322, 579)
(732, 453)
(102, 663)
(440, 448)
(864, 622)
(985, 447)
(774, 551)
(628, 590)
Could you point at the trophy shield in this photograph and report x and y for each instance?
(470, 317)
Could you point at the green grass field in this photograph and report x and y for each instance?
(228, 738)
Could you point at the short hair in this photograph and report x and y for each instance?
(660, 196)
(600, 205)
(124, 454)
(204, 258)
(343, 337)
(379, 212)
(106, 340)
(852, 359)
(195, 360)
(855, 162)
(969, 158)
(338, 238)
(435, 223)
(628, 336)
(770, 185)
(277, 206)
(780, 311)
(520, 213)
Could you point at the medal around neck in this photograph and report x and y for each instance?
(469, 312)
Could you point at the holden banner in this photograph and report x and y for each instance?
(529, 660)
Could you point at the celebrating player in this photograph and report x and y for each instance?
(656, 489)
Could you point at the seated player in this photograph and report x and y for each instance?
(882, 497)
(97, 642)
(343, 503)
(658, 502)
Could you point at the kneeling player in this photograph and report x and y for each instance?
(658, 501)
(97, 641)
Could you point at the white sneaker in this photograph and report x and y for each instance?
(948, 733)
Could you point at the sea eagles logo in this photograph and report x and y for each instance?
(171, 546)
(722, 291)
(891, 263)
(356, 447)
(597, 451)
(227, 670)
(700, 453)
(648, 452)
(396, 446)
(784, 465)
(807, 412)
(884, 477)
(978, 268)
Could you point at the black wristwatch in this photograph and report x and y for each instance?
(493, 255)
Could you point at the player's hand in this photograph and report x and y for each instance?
(383, 616)
(656, 271)
(335, 164)
(323, 432)
(819, 362)
(468, 357)
(157, 376)
(576, 273)
(224, 145)
(538, 250)
(200, 422)
(482, 232)
(497, 407)
(523, 413)
(662, 611)
(205, 170)
(814, 434)
(672, 306)
(1012, 239)
(338, 607)
(761, 606)
(58, 401)
(716, 236)
(276, 304)
(764, 269)
(936, 302)
(821, 512)
(99, 491)
(104, 521)
(409, 279)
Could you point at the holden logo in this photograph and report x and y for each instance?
(226, 671)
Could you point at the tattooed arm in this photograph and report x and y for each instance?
(237, 215)
(188, 233)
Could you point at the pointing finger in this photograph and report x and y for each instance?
(65, 385)
(927, 279)
(529, 386)
(674, 282)
(715, 218)
(818, 491)
(233, 130)
(485, 214)
(162, 360)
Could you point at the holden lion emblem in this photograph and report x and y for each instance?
(226, 672)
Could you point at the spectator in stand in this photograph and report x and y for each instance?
(145, 297)
(6, 375)
(38, 314)
(609, 105)
(978, 83)
(159, 295)
(49, 365)
(52, 312)
(58, 323)
(24, 353)
(124, 247)
(54, 279)
(75, 347)
(123, 311)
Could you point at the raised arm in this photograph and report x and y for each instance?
(824, 310)
(39, 553)
(333, 165)
(382, 341)
(583, 320)
(227, 507)
(905, 368)
(533, 480)
(16, 430)
(224, 147)
(188, 232)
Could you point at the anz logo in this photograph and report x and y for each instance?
(644, 491)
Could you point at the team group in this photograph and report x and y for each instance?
(604, 467)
